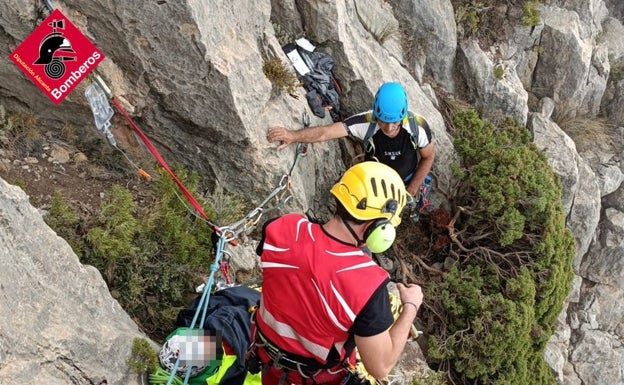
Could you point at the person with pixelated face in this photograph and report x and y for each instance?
(194, 349)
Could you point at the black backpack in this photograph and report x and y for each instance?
(318, 79)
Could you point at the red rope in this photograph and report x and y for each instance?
(225, 271)
(162, 162)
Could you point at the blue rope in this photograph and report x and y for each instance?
(173, 371)
(202, 306)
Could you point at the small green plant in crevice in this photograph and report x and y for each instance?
(282, 35)
(280, 76)
(468, 17)
(538, 49)
(499, 72)
(143, 359)
(19, 183)
(531, 15)
(617, 70)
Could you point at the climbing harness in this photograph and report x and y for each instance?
(416, 205)
(261, 349)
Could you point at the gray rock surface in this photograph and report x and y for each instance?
(576, 83)
(58, 322)
(435, 55)
(497, 98)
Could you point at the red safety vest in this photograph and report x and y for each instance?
(313, 287)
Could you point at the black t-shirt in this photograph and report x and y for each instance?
(373, 319)
(397, 152)
(376, 316)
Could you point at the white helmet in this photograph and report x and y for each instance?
(180, 341)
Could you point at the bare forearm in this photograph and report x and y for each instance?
(399, 332)
(307, 135)
(419, 177)
(381, 352)
(314, 134)
(424, 167)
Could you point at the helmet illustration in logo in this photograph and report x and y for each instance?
(54, 50)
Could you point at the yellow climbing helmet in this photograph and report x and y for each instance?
(372, 190)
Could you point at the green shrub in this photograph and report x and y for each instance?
(282, 78)
(484, 319)
(153, 257)
(65, 221)
(143, 358)
(182, 236)
(467, 17)
(112, 241)
(531, 16)
(497, 307)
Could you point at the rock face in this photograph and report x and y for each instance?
(191, 74)
(58, 322)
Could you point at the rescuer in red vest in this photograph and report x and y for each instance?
(322, 296)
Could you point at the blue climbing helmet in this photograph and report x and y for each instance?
(390, 104)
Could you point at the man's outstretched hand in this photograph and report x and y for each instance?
(280, 134)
